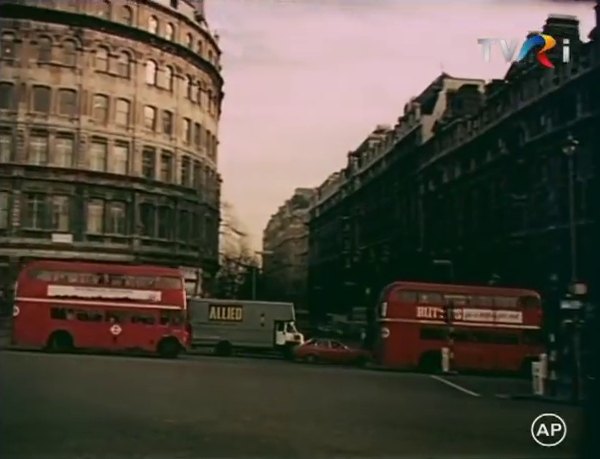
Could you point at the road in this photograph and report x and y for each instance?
(88, 406)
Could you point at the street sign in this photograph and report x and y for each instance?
(116, 329)
(548, 430)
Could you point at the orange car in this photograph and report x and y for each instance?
(325, 350)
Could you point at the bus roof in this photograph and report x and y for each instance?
(461, 289)
(109, 268)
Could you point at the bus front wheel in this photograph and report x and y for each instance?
(60, 341)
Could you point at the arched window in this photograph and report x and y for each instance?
(169, 31)
(105, 8)
(153, 24)
(44, 49)
(124, 65)
(102, 59)
(189, 40)
(69, 54)
(210, 55)
(151, 72)
(127, 15)
(199, 47)
(190, 88)
(7, 46)
(169, 78)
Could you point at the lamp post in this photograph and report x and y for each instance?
(569, 150)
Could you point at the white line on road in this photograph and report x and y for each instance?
(455, 386)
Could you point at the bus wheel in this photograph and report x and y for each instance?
(60, 341)
(169, 348)
(430, 362)
(223, 349)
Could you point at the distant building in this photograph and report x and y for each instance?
(285, 245)
(108, 134)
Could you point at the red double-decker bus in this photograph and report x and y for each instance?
(484, 328)
(66, 305)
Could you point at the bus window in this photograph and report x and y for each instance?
(532, 337)
(144, 319)
(482, 301)
(58, 313)
(461, 336)
(435, 334)
(89, 316)
(116, 317)
(529, 302)
(173, 318)
(407, 297)
(431, 298)
(505, 302)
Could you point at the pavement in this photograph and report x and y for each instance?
(91, 406)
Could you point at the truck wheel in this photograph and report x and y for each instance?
(60, 341)
(169, 348)
(223, 349)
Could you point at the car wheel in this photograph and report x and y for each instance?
(311, 358)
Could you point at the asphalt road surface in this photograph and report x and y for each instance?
(88, 406)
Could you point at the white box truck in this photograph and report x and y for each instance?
(229, 325)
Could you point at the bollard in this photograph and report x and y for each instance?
(536, 379)
(543, 373)
(445, 360)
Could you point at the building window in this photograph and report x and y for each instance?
(7, 96)
(199, 47)
(127, 15)
(166, 166)
(124, 65)
(147, 219)
(69, 54)
(7, 46)
(101, 59)
(151, 73)
(95, 217)
(169, 31)
(175, 4)
(67, 102)
(165, 217)
(210, 55)
(186, 165)
(117, 218)
(189, 40)
(122, 112)
(100, 108)
(153, 24)
(170, 77)
(167, 122)
(184, 225)
(197, 174)
(190, 88)
(35, 211)
(187, 130)
(44, 50)
(6, 147)
(149, 163)
(64, 151)
(104, 9)
(4, 210)
(150, 117)
(120, 158)
(61, 213)
(41, 99)
(197, 134)
(98, 153)
(38, 149)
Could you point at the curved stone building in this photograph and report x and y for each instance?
(108, 133)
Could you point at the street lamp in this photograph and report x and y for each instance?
(255, 270)
(569, 149)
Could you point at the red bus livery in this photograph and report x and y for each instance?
(63, 305)
(485, 328)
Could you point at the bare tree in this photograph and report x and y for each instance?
(236, 258)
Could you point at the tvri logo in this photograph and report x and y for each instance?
(540, 42)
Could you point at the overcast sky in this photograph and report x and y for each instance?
(307, 80)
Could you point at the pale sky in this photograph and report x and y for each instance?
(307, 80)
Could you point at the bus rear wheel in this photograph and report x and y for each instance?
(60, 341)
(169, 348)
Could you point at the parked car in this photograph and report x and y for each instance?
(325, 350)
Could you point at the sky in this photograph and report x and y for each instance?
(307, 80)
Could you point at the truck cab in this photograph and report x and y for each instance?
(287, 334)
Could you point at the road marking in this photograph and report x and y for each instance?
(455, 386)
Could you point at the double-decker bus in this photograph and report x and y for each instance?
(484, 328)
(67, 305)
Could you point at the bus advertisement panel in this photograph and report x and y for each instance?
(65, 305)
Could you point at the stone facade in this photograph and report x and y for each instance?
(109, 118)
(473, 177)
(285, 244)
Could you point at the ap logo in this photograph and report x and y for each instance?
(549, 430)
